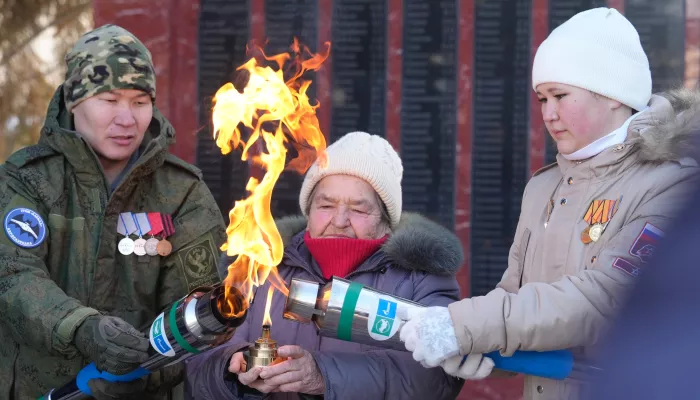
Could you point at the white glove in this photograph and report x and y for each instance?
(475, 367)
(429, 334)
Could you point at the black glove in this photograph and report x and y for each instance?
(112, 344)
(104, 390)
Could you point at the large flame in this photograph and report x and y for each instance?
(283, 106)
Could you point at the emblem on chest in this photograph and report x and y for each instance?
(598, 216)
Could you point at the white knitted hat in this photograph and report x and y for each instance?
(369, 157)
(598, 50)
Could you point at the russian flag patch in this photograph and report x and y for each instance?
(645, 244)
(626, 267)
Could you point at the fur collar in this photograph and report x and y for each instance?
(668, 130)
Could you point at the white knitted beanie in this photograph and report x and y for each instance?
(598, 50)
(369, 157)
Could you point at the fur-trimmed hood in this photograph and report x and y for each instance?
(416, 244)
(669, 129)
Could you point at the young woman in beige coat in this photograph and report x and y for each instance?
(590, 222)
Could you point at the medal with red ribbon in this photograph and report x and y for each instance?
(156, 222)
(164, 247)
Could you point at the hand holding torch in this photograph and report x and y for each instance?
(353, 312)
(204, 318)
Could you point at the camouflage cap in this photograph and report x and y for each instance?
(107, 58)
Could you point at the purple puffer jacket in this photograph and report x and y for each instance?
(418, 262)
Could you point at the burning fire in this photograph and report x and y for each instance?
(326, 297)
(279, 112)
(267, 320)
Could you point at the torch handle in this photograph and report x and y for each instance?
(91, 372)
(79, 388)
(192, 324)
(557, 364)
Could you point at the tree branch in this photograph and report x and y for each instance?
(67, 14)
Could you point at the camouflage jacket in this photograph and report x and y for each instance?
(75, 269)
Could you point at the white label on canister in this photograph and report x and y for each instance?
(159, 340)
(382, 321)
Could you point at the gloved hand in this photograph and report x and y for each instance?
(105, 390)
(154, 386)
(429, 334)
(112, 344)
(475, 367)
(160, 382)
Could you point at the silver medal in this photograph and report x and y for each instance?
(152, 247)
(126, 246)
(140, 247)
(596, 231)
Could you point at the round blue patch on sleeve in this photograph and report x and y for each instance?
(25, 227)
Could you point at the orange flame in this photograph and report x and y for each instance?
(266, 319)
(267, 98)
(326, 296)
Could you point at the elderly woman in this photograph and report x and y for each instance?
(354, 229)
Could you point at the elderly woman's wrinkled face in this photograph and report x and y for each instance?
(345, 206)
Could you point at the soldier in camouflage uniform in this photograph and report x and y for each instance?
(67, 295)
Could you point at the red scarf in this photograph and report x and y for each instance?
(341, 256)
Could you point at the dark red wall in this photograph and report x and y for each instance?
(169, 29)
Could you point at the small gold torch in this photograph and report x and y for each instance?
(264, 351)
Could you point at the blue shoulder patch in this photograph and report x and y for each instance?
(25, 227)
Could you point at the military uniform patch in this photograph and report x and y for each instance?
(25, 227)
(199, 264)
(646, 242)
(626, 267)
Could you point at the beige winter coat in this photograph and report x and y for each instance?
(559, 293)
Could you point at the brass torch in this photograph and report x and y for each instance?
(261, 353)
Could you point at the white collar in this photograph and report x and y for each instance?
(611, 139)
